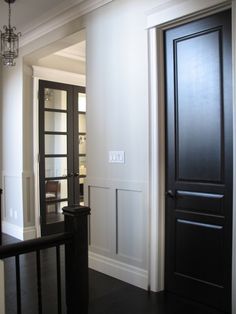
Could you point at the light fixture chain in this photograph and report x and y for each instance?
(9, 15)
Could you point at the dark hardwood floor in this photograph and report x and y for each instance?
(107, 295)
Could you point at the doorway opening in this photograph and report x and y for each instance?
(59, 72)
(62, 151)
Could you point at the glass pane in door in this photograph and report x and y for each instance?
(82, 102)
(55, 121)
(55, 144)
(82, 166)
(55, 99)
(82, 123)
(55, 167)
(82, 143)
(56, 195)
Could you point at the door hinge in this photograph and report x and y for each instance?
(38, 158)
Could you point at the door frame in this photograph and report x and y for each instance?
(41, 73)
(157, 21)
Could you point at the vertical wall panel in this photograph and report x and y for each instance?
(11, 196)
(131, 227)
(99, 219)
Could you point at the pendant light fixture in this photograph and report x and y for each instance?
(9, 40)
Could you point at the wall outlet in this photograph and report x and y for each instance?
(117, 157)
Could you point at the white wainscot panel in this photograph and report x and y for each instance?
(131, 229)
(100, 237)
(12, 199)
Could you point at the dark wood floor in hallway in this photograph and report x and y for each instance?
(107, 295)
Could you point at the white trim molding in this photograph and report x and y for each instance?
(59, 16)
(122, 271)
(18, 232)
(157, 161)
(29, 233)
(171, 10)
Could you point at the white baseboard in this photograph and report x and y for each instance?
(130, 274)
(18, 232)
(29, 233)
(12, 230)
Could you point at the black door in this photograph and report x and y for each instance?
(199, 160)
(59, 138)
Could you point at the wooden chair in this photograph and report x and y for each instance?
(52, 191)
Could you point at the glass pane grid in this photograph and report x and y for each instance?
(55, 132)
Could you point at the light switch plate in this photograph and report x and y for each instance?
(117, 156)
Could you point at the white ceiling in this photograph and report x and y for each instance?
(75, 52)
(28, 14)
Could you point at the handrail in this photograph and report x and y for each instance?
(28, 246)
(75, 239)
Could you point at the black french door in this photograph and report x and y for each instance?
(199, 160)
(58, 152)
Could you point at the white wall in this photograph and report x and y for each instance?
(117, 90)
(17, 151)
(12, 143)
(117, 119)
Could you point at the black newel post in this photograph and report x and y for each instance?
(76, 259)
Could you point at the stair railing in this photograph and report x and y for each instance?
(75, 239)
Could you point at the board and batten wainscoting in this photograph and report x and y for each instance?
(118, 229)
(18, 191)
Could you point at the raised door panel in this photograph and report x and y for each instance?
(198, 106)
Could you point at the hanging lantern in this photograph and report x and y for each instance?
(9, 41)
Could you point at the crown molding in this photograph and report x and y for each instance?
(58, 17)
